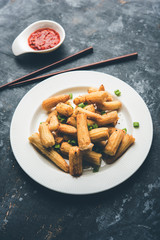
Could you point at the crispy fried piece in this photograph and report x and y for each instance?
(64, 109)
(90, 115)
(50, 153)
(94, 97)
(72, 121)
(51, 102)
(99, 134)
(91, 157)
(67, 129)
(114, 142)
(127, 141)
(92, 89)
(84, 141)
(113, 105)
(101, 88)
(46, 136)
(108, 118)
(75, 161)
(90, 108)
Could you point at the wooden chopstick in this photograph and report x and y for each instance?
(64, 60)
(91, 65)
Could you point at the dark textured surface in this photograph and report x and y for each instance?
(112, 27)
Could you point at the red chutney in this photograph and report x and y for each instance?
(43, 38)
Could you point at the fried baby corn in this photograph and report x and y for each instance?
(84, 141)
(90, 115)
(90, 108)
(112, 105)
(114, 142)
(64, 109)
(127, 141)
(53, 123)
(108, 118)
(46, 136)
(75, 161)
(94, 97)
(98, 134)
(91, 157)
(50, 153)
(67, 129)
(51, 102)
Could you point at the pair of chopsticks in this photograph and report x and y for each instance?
(20, 81)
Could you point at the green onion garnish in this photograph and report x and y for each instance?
(72, 142)
(57, 146)
(136, 124)
(117, 92)
(103, 112)
(71, 95)
(95, 125)
(125, 129)
(82, 105)
(62, 119)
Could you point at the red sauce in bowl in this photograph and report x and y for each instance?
(43, 38)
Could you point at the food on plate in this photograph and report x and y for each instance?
(46, 136)
(114, 142)
(75, 161)
(127, 141)
(51, 102)
(50, 153)
(84, 134)
(64, 109)
(83, 137)
(112, 105)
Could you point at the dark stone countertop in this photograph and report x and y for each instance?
(114, 27)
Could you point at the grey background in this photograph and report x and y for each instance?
(113, 28)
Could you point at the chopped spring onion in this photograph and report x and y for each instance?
(125, 129)
(71, 95)
(117, 92)
(82, 105)
(136, 124)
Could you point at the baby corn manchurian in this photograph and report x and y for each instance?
(108, 118)
(93, 89)
(53, 123)
(46, 136)
(94, 97)
(90, 108)
(51, 102)
(54, 112)
(67, 129)
(90, 115)
(75, 161)
(84, 141)
(98, 134)
(127, 141)
(114, 142)
(73, 122)
(91, 157)
(101, 88)
(50, 153)
(111, 130)
(64, 109)
(113, 105)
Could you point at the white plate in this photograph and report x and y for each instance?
(29, 114)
